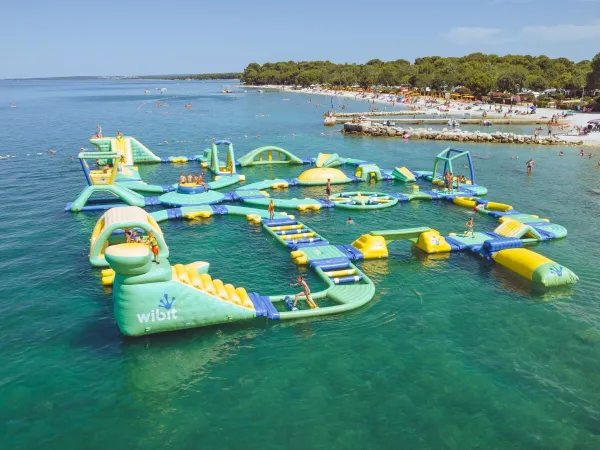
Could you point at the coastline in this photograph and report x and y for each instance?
(457, 110)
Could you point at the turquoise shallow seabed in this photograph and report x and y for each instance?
(451, 353)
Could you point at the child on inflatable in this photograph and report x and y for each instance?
(152, 242)
(469, 226)
(305, 292)
(271, 209)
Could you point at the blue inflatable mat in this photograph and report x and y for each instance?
(300, 245)
(174, 213)
(330, 263)
(455, 245)
(495, 245)
(546, 235)
(151, 201)
(297, 230)
(352, 253)
(400, 197)
(434, 195)
(272, 312)
(219, 209)
(278, 222)
(260, 307)
(347, 279)
(326, 203)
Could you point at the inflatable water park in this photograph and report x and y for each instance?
(152, 294)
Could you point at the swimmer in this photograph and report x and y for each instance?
(305, 292)
(166, 142)
(52, 152)
(258, 136)
(271, 209)
(350, 221)
(529, 164)
(561, 153)
(581, 153)
(469, 226)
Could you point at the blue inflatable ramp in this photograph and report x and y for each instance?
(259, 305)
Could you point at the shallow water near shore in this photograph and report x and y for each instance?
(451, 352)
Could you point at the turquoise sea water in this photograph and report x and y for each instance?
(451, 353)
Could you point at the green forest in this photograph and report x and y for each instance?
(478, 73)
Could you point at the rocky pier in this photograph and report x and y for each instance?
(368, 128)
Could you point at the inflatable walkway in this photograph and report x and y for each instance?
(152, 297)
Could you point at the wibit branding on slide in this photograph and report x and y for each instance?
(156, 315)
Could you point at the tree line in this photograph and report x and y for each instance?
(202, 76)
(479, 73)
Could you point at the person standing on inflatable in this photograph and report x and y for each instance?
(328, 188)
(153, 243)
(271, 209)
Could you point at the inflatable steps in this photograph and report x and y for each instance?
(343, 276)
(189, 275)
(294, 235)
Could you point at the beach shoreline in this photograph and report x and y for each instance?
(456, 110)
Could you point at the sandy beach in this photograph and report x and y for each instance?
(457, 109)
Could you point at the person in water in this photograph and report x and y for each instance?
(469, 226)
(350, 221)
(328, 188)
(153, 243)
(529, 164)
(560, 153)
(305, 292)
(271, 209)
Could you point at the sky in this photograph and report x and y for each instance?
(40, 38)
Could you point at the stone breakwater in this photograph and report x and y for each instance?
(380, 130)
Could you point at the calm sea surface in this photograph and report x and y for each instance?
(451, 353)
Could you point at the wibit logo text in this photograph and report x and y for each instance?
(156, 315)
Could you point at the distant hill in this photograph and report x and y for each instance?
(201, 76)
